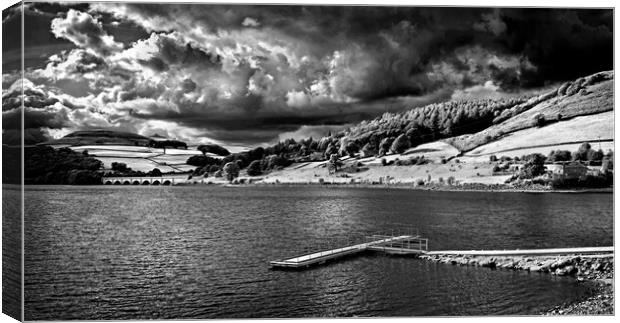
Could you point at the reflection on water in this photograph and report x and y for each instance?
(202, 252)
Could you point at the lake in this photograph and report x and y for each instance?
(149, 252)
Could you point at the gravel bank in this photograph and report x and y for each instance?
(602, 303)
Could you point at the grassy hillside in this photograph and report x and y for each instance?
(591, 128)
(586, 96)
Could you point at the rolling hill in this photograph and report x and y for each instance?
(562, 119)
(99, 137)
(128, 148)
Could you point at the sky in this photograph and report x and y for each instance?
(249, 75)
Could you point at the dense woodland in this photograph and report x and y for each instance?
(46, 165)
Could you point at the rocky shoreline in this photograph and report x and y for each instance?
(591, 268)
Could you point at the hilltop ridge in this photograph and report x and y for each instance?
(99, 137)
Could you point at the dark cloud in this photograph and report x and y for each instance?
(38, 43)
(562, 43)
(263, 127)
(13, 137)
(552, 39)
(34, 118)
(39, 108)
(239, 71)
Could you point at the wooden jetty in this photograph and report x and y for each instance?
(399, 244)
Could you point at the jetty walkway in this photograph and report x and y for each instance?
(399, 244)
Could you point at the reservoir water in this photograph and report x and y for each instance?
(148, 252)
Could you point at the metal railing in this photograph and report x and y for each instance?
(331, 245)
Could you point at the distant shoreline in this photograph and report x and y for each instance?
(445, 188)
(438, 188)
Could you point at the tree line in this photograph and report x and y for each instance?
(46, 165)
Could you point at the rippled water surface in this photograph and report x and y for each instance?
(126, 252)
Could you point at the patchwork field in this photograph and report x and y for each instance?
(141, 158)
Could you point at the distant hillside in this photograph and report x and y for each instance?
(99, 137)
(138, 153)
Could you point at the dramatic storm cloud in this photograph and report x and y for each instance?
(252, 74)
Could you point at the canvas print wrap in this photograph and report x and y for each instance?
(210, 161)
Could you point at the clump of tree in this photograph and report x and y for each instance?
(167, 144)
(533, 167)
(46, 165)
(349, 148)
(275, 162)
(213, 149)
(582, 152)
(333, 165)
(400, 144)
(586, 153)
(384, 145)
(369, 149)
(120, 167)
(202, 161)
(559, 156)
(230, 171)
(255, 168)
(263, 157)
(539, 120)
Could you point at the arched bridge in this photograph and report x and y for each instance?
(141, 180)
